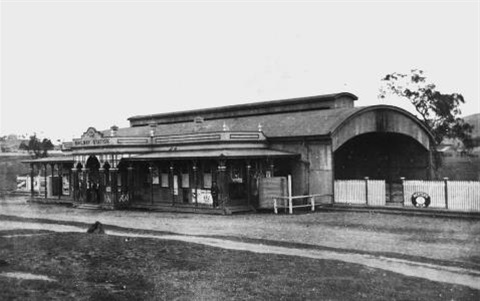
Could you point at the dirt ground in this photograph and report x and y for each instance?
(75, 266)
(42, 265)
(454, 240)
(331, 255)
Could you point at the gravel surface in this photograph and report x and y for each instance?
(435, 238)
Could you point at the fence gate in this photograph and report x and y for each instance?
(394, 192)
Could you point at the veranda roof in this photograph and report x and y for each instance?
(62, 159)
(230, 153)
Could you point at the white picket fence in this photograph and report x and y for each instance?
(376, 193)
(464, 196)
(448, 195)
(350, 192)
(451, 195)
(435, 189)
(364, 192)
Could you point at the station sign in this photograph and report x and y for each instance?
(92, 137)
(93, 142)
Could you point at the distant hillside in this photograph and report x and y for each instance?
(475, 121)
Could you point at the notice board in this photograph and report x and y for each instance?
(269, 188)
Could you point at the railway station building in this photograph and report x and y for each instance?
(216, 159)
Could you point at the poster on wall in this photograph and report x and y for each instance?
(65, 185)
(175, 185)
(22, 183)
(204, 196)
(236, 175)
(155, 178)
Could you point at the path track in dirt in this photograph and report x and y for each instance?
(433, 272)
(440, 239)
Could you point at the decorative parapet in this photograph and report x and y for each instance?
(91, 141)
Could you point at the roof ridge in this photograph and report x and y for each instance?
(326, 101)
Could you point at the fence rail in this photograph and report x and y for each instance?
(287, 202)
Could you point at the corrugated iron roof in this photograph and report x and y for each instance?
(307, 123)
(270, 104)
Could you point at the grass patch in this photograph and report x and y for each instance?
(100, 267)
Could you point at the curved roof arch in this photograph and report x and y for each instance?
(379, 118)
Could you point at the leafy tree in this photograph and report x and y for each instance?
(439, 112)
(37, 148)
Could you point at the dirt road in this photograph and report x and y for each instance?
(454, 241)
(436, 272)
(436, 238)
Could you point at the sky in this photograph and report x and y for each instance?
(67, 65)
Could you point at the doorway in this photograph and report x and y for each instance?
(93, 180)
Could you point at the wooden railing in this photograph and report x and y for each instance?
(287, 202)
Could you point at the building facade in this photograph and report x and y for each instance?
(217, 159)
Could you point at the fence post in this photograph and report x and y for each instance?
(403, 190)
(312, 199)
(290, 208)
(32, 180)
(45, 178)
(366, 190)
(445, 180)
(275, 206)
(333, 191)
